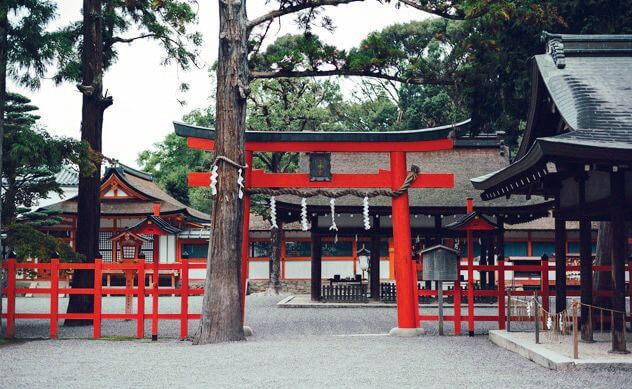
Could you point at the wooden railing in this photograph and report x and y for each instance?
(141, 269)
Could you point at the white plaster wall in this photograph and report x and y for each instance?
(167, 249)
(384, 270)
(197, 274)
(344, 268)
(258, 270)
(297, 269)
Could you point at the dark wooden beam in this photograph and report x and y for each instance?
(585, 267)
(375, 261)
(560, 263)
(500, 249)
(317, 263)
(619, 244)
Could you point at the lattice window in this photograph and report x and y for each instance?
(105, 245)
(148, 247)
(129, 252)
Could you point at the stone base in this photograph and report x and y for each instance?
(406, 332)
(247, 331)
(287, 286)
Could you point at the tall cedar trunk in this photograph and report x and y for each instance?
(93, 106)
(221, 308)
(274, 286)
(276, 239)
(4, 23)
(602, 280)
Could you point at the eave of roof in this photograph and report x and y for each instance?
(442, 132)
(593, 99)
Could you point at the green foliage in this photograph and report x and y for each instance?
(31, 158)
(167, 22)
(30, 46)
(170, 161)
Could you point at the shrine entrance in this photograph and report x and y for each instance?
(321, 182)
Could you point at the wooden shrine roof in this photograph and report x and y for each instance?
(143, 185)
(581, 110)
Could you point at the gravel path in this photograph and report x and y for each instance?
(307, 347)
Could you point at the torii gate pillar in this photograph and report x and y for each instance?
(404, 282)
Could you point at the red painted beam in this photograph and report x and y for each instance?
(382, 179)
(430, 145)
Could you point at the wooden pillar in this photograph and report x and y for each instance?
(375, 260)
(619, 243)
(560, 261)
(483, 261)
(585, 266)
(406, 302)
(500, 250)
(317, 262)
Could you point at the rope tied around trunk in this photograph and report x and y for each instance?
(410, 178)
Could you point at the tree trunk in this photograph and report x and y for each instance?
(602, 280)
(93, 106)
(4, 10)
(221, 308)
(274, 286)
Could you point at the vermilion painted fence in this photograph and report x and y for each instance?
(500, 291)
(140, 291)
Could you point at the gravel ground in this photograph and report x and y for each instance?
(307, 347)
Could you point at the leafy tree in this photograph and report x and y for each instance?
(26, 47)
(89, 49)
(171, 160)
(31, 158)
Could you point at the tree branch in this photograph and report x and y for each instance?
(295, 8)
(118, 39)
(345, 72)
(443, 13)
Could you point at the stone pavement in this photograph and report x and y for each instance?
(290, 348)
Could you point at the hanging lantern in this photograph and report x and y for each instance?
(363, 258)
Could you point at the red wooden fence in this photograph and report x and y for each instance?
(97, 316)
(98, 291)
(500, 291)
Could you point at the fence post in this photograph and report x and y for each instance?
(536, 317)
(140, 306)
(457, 304)
(544, 279)
(54, 298)
(184, 298)
(11, 298)
(508, 311)
(98, 281)
(501, 293)
(154, 299)
(576, 332)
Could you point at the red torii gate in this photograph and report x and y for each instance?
(397, 144)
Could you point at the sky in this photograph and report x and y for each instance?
(146, 94)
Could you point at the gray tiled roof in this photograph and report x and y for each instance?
(67, 176)
(589, 81)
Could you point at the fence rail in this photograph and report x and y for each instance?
(141, 268)
(344, 293)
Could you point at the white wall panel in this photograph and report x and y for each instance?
(258, 270)
(344, 268)
(298, 269)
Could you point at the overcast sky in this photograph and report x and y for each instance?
(146, 94)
